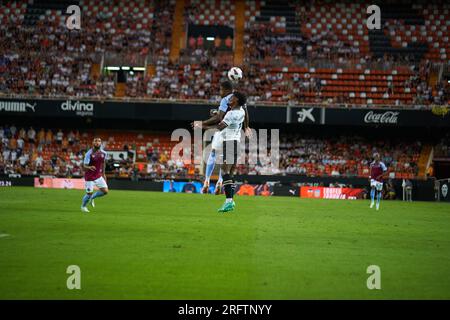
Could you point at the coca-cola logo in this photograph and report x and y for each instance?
(385, 117)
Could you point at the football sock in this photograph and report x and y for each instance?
(97, 194)
(85, 200)
(372, 194)
(228, 187)
(378, 197)
(220, 180)
(210, 165)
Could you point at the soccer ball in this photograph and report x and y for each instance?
(235, 74)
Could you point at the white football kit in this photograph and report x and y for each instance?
(231, 135)
(234, 119)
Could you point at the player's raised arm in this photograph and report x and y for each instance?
(220, 114)
(226, 90)
(213, 120)
(247, 129)
(221, 125)
(246, 119)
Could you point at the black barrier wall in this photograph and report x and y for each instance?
(423, 190)
(142, 185)
(97, 109)
(6, 181)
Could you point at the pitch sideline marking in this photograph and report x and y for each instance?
(4, 235)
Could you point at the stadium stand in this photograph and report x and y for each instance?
(35, 36)
(442, 149)
(294, 51)
(363, 70)
(204, 12)
(60, 153)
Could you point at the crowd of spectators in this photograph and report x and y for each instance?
(32, 63)
(48, 59)
(342, 156)
(31, 151)
(26, 151)
(346, 155)
(442, 149)
(60, 153)
(195, 76)
(265, 49)
(161, 166)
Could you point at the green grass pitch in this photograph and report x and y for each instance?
(146, 245)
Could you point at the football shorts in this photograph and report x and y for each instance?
(230, 151)
(377, 184)
(99, 183)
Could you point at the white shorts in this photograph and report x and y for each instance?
(99, 183)
(217, 141)
(377, 184)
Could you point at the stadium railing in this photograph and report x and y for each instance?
(213, 102)
(350, 64)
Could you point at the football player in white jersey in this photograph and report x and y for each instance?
(230, 133)
(226, 92)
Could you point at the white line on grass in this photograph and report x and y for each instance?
(4, 235)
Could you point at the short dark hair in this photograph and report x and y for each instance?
(242, 99)
(227, 85)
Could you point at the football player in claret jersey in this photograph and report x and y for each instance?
(94, 166)
(230, 133)
(377, 171)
